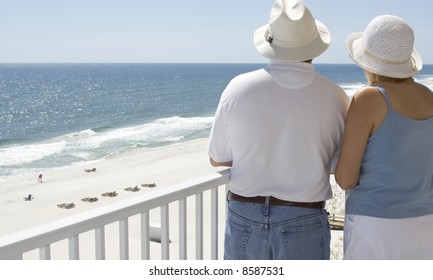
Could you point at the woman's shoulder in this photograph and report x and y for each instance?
(370, 107)
(423, 88)
(369, 96)
(367, 93)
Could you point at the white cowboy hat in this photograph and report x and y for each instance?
(292, 33)
(385, 48)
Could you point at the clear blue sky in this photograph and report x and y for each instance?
(179, 31)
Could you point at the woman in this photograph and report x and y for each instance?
(386, 158)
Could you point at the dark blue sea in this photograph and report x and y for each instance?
(55, 115)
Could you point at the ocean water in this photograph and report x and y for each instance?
(55, 115)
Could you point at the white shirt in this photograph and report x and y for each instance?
(281, 126)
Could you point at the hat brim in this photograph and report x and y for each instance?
(307, 52)
(379, 67)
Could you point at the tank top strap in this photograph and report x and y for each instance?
(383, 92)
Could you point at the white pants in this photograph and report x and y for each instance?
(369, 238)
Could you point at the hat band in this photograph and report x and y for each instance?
(385, 60)
(289, 44)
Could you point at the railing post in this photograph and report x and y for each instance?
(145, 236)
(165, 229)
(45, 253)
(124, 239)
(74, 248)
(199, 226)
(100, 243)
(182, 230)
(214, 224)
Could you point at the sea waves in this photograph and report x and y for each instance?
(99, 143)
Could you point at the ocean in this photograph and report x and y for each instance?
(56, 115)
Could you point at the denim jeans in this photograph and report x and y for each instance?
(267, 232)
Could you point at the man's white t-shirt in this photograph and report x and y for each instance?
(281, 126)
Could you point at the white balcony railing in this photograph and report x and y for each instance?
(133, 218)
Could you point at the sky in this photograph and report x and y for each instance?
(188, 31)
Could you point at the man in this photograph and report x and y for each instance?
(279, 129)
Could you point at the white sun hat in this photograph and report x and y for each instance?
(292, 33)
(386, 48)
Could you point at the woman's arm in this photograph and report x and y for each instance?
(360, 124)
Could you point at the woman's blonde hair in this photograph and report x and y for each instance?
(375, 78)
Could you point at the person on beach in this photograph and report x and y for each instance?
(40, 178)
(279, 129)
(386, 157)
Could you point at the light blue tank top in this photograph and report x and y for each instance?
(396, 179)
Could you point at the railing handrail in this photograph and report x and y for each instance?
(39, 236)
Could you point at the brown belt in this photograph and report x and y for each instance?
(275, 201)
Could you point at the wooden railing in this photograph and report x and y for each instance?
(154, 206)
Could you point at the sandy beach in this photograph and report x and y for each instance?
(162, 166)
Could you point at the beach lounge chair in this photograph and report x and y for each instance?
(90, 199)
(110, 194)
(134, 189)
(149, 185)
(66, 205)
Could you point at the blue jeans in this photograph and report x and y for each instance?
(267, 232)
